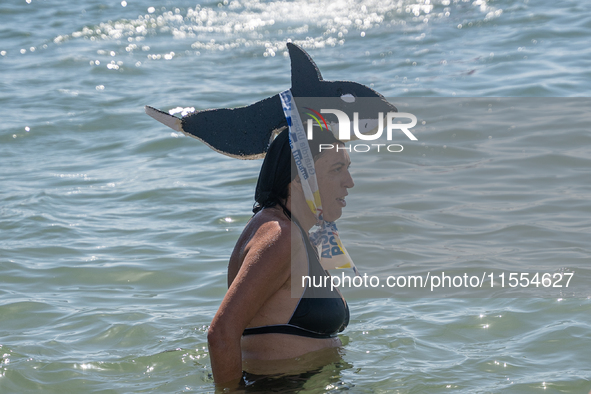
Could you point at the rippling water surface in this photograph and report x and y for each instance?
(116, 231)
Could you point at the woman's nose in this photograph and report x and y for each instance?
(348, 182)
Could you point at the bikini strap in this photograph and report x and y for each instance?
(305, 235)
(286, 211)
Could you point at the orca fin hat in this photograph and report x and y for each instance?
(246, 132)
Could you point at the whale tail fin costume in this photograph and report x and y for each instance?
(246, 132)
(241, 133)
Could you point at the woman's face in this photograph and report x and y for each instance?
(332, 174)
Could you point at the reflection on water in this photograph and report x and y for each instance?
(115, 233)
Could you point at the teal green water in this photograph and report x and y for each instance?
(116, 231)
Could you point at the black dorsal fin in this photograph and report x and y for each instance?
(304, 72)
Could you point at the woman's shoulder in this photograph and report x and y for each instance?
(269, 223)
(267, 233)
(269, 228)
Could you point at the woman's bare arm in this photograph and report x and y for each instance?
(265, 269)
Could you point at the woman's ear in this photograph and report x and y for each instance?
(296, 184)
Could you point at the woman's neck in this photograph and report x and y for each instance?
(300, 210)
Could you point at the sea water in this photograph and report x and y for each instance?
(116, 231)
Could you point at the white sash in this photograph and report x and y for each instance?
(326, 238)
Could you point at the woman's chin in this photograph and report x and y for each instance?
(333, 216)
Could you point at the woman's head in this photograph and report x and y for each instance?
(278, 168)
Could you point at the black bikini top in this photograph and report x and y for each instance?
(320, 313)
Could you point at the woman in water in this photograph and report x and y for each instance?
(259, 319)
